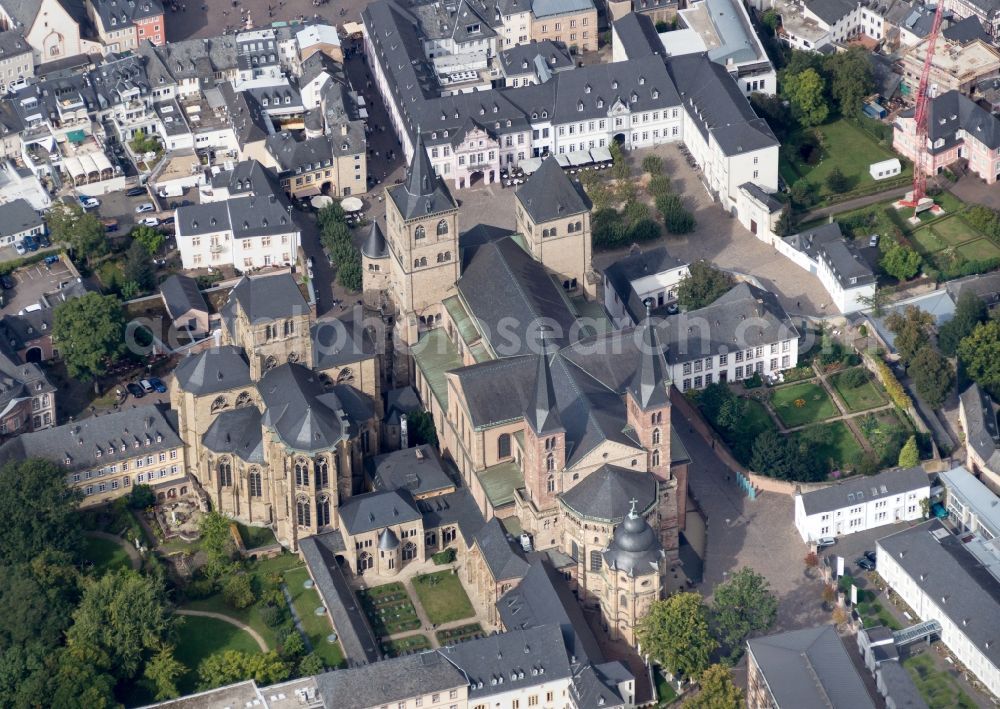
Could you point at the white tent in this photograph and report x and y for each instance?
(530, 165)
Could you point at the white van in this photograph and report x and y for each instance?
(33, 308)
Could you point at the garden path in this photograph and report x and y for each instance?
(133, 553)
(426, 627)
(227, 619)
(848, 417)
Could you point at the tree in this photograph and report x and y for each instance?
(234, 666)
(141, 497)
(675, 634)
(81, 231)
(909, 456)
(802, 193)
(980, 355)
(293, 647)
(912, 331)
(837, 181)
(784, 225)
(311, 664)
(742, 606)
(90, 332)
(620, 168)
(141, 143)
(38, 511)
(138, 268)
(216, 540)
(853, 378)
(877, 300)
(163, 670)
(81, 680)
(717, 691)
(237, 591)
(811, 561)
(703, 285)
(933, 376)
(123, 614)
(421, 428)
(805, 91)
(776, 112)
(969, 312)
(676, 217)
(851, 79)
(900, 262)
(772, 456)
(152, 239)
(652, 165)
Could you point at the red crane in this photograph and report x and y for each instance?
(920, 115)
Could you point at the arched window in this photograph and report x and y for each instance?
(365, 561)
(550, 463)
(440, 257)
(419, 233)
(574, 551)
(254, 483)
(595, 560)
(442, 227)
(409, 551)
(447, 257)
(323, 512)
(656, 436)
(550, 484)
(243, 399)
(503, 446)
(545, 233)
(301, 473)
(416, 263)
(219, 404)
(225, 470)
(623, 601)
(553, 231)
(322, 469)
(578, 226)
(302, 512)
(656, 457)
(289, 327)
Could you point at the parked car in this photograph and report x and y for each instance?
(44, 241)
(865, 564)
(110, 225)
(90, 202)
(135, 390)
(147, 386)
(873, 240)
(870, 555)
(167, 221)
(33, 308)
(30, 243)
(145, 207)
(6, 282)
(51, 259)
(157, 385)
(824, 542)
(150, 222)
(135, 192)
(21, 248)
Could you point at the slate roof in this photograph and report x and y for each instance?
(12, 44)
(841, 256)
(356, 637)
(458, 508)
(23, 11)
(856, 491)
(117, 14)
(966, 30)
(549, 8)
(297, 408)
(831, 11)
(374, 245)
(263, 298)
(199, 58)
(418, 470)
(718, 106)
(18, 216)
(245, 217)
(213, 370)
(634, 548)
(900, 687)
(98, 440)
(638, 35)
(377, 510)
(810, 668)
(549, 194)
(422, 193)
(523, 58)
(542, 598)
(940, 565)
(503, 282)
(390, 681)
(181, 295)
(726, 325)
(981, 432)
(499, 552)
(606, 493)
(237, 432)
(768, 200)
(339, 342)
(298, 156)
(518, 658)
(951, 112)
(622, 272)
(401, 400)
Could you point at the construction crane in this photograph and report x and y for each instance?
(920, 114)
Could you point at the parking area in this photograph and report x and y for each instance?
(853, 546)
(32, 282)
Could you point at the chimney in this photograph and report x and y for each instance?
(404, 434)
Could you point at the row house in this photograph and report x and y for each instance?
(123, 25)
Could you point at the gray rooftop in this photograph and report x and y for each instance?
(981, 423)
(422, 193)
(810, 668)
(377, 510)
(826, 243)
(499, 552)
(299, 410)
(418, 470)
(214, 370)
(952, 112)
(606, 493)
(181, 295)
(18, 216)
(858, 490)
(263, 298)
(638, 265)
(390, 681)
(549, 194)
(457, 508)
(238, 432)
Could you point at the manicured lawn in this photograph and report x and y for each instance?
(403, 646)
(255, 537)
(105, 555)
(843, 450)
(317, 627)
(928, 240)
(664, 690)
(459, 634)
(955, 230)
(442, 597)
(800, 404)
(867, 396)
(979, 250)
(389, 609)
(198, 638)
(938, 688)
(875, 614)
(844, 146)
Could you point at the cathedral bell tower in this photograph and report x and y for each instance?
(544, 439)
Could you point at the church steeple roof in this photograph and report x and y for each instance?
(374, 246)
(542, 414)
(422, 191)
(650, 386)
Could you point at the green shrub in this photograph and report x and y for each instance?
(659, 186)
(237, 591)
(273, 616)
(200, 588)
(652, 164)
(444, 557)
(892, 386)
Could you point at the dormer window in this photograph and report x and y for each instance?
(600, 103)
(633, 98)
(445, 134)
(656, 94)
(579, 106)
(642, 80)
(434, 135)
(614, 84)
(586, 89)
